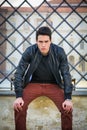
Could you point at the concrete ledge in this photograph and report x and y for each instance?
(79, 92)
(7, 93)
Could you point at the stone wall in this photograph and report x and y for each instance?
(43, 114)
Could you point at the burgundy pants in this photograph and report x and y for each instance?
(34, 90)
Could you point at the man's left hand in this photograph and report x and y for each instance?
(67, 105)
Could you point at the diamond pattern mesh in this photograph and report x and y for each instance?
(68, 22)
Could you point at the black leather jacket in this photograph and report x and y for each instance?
(57, 62)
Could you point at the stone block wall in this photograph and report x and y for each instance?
(43, 114)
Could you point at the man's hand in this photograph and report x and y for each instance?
(18, 104)
(67, 105)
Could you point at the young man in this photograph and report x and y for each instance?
(39, 74)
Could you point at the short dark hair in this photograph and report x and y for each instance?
(43, 31)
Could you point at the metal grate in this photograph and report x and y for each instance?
(18, 23)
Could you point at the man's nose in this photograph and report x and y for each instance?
(43, 44)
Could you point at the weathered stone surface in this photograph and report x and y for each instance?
(42, 114)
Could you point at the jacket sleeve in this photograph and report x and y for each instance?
(64, 69)
(20, 71)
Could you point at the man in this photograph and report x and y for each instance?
(39, 74)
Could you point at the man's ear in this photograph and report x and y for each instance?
(36, 41)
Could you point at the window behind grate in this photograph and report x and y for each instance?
(19, 21)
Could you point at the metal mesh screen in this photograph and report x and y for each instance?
(19, 21)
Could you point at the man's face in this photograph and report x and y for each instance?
(43, 43)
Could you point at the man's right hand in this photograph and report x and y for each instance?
(18, 104)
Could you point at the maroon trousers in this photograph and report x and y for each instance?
(34, 90)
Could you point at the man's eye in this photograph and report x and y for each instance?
(46, 41)
(40, 42)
